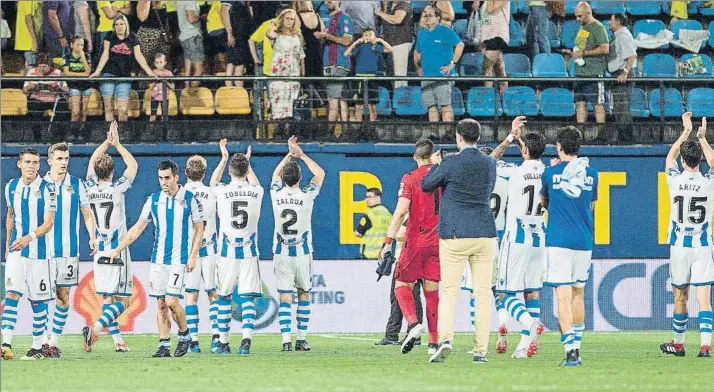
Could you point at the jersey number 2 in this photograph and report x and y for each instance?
(290, 222)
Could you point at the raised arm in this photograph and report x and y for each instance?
(218, 171)
(279, 169)
(101, 149)
(318, 172)
(436, 178)
(252, 178)
(515, 134)
(706, 148)
(671, 161)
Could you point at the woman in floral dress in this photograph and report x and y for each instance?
(288, 60)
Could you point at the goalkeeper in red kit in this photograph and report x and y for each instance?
(420, 255)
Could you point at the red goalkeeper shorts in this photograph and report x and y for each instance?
(418, 263)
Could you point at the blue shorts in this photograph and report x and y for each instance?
(73, 92)
(121, 90)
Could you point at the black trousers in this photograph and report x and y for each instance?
(620, 96)
(394, 325)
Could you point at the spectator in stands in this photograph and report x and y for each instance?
(108, 11)
(399, 32)
(288, 60)
(366, 52)
(84, 24)
(591, 50)
(188, 15)
(362, 14)
(157, 90)
(43, 95)
(56, 30)
(5, 33)
(28, 30)
(264, 11)
(121, 50)
(77, 65)
(495, 18)
(238, 21)
(310, 23)
(622, 63)
(447, 13)
(263, 57)
(217, 33)
(152, 33)
(337, 37)
(438, 49)
(537, 28)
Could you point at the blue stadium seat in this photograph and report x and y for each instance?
(516, 33)
(648, 26)
(699, 102)
(384, 106)
(418, 6)
(686, 24)
(457, 102)
(711, 34)
(481, 101)
(407, 101)
(514, 7)
(522, 6)
(460, 28)
(570, 6)
(707, 64)
(459, 8)
(549, 65)
(567, 35)
(606, 23)
(708, 11)
(694, 7)
(557, 102)
(571, 67)
(520, 101)
(608, 7)
(517, 65)
(471, 64)
(643, 8)
(553, 36)
(659, 65)
(673, 105)
(638, 103)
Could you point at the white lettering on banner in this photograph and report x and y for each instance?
(625, 294)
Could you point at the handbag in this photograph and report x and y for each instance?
(473, 30)
(165, 30)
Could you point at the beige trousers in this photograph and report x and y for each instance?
(453, 253)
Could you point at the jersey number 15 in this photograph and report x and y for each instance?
(696, 205)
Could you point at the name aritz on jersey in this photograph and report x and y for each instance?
(291, 202)
(689, 187)
(241, 193)
(589, 181)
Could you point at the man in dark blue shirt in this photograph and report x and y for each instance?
(366, 51)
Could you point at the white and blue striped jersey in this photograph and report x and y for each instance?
(524, 217)
(173, 219)
(499, 195)
(690, 195)
(29, 204)
(239, 205)
(108, 206)
(209, 244)
(292, 210)
(63, 239)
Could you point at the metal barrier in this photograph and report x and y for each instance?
(647, 128)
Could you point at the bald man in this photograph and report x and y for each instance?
(592, 47)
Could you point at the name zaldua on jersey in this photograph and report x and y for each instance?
(292, 210)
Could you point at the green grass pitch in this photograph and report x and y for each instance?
(623, 361)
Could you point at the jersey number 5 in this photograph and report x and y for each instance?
(239, 214)
(695, 206)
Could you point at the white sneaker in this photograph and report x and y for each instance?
(520, 353)
(442, 352)
(414, 334)
(432, 349)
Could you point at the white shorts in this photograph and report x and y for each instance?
(67, 271)
(166, 279)
(693, 266)
(293, 273)
(205, 271)
(567, 267)
(32, 277)
(520, 268)
(113, 280)
(244, 272)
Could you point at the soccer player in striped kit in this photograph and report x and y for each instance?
(31, 206)
(239, 204)
(206, 263)
(178, 221)
(690, 234)
(292, 240)
(63, 239)
(114, 283)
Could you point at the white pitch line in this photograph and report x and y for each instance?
(345, 337)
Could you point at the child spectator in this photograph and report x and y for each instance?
(76, 64)
(43, 95)
(366, 52)
(157, 92)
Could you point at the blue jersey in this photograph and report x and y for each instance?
(63, 239)
(173, 219)
(29, 204)
(570, 221)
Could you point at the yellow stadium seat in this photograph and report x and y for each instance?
(134, 104)
(197, 101)
(95, 107)
(173, 104)
(13, 102)
(232, 100)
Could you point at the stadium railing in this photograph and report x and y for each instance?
(213, 111)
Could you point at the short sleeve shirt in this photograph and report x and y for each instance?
(422, 228)
(436, 49)
(334, 54)
(588, 38)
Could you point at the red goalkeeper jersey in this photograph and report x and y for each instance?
(423, 219)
